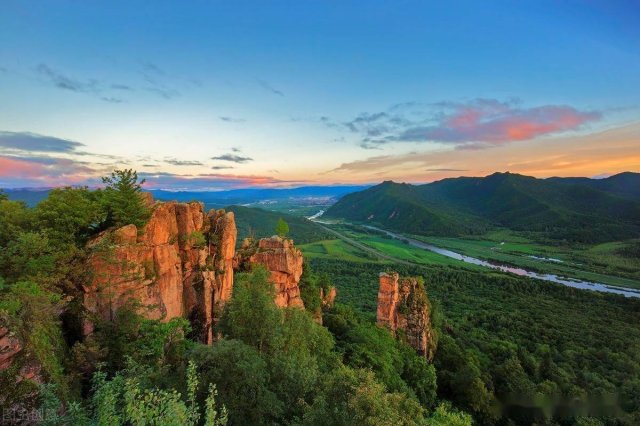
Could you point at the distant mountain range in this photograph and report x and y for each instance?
(254, 195)
(219, 198)
(572, 209)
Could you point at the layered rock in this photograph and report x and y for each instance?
(403, 306)
(178, 265)
(284, 263)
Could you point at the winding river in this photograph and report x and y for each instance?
(585, 285)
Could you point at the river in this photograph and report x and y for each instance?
(585, 285)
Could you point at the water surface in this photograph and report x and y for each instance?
(585, 285)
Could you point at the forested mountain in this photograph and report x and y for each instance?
(573, 209)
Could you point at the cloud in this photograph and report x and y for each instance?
(112, 100)
(164, 92)
(210, 181)
(221, 167)
(156, 77)
(122, 87)
(232, 119)
(269, 88)
(475, 124)
(91, 86)
(613, 150)
(65, 82)
(26, 141)
(43, 172)
(447, 170)
(150, 67)
(233, 158)
(177, 162)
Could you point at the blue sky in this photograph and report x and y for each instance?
(214, 95)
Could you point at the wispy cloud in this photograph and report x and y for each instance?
(221, 167)
(65, 82)
(232, 119)
(27, 141)
(157, 80)
(177, 162)
(269, 88)
(210, 181)
(475, 124)
(233, 158)
(123, 87)
(112, 100)
(92, 86)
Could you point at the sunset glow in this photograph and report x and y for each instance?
(229, 102)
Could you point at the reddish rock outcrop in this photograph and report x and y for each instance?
(178, 265)
(10, 346)
(284, 263)
(403, 305)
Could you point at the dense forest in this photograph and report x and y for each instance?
(518, 349)
(273, 365)
(259, 222)
(509, 350)
(558, 209)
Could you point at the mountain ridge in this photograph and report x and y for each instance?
(555, 208)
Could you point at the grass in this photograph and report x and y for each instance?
(409, 253)
(598, 263)
(335, 249)
(601, 263)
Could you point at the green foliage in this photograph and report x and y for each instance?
(242, 379)
(444, 415)
(125, 400)
(197, 239)
(31, 313)
(353, 397)
(364, 345)
(131, 337)
(557, 209)
(14, 218)
(122, 199)
(282, 228)
(70, 215)
(251, 315)
(310, 287)
(513, 348)
(258, 223)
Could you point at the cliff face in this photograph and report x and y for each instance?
(178, 265)
(403, 305)
(284, 263)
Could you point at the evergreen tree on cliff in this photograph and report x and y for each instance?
(282, 228)
(123, 200)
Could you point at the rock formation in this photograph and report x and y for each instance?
(180, 264)
(284, 263)
(403, 305)
(329, 299)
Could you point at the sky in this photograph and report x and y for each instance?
(212, 95)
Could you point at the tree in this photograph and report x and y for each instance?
(70, 215)
(282, 228)
(122, 198)
(242, 379)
